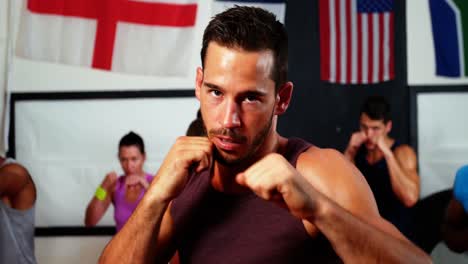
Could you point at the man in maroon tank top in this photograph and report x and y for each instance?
(238, 194)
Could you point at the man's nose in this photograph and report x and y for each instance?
(231, 115)
(367, 131)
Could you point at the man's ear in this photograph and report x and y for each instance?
(283, 98)
(388, 126)
(198, 82)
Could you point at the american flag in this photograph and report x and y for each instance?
(356, 41)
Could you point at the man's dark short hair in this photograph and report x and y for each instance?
(250, 29)
(376, 108)
(196, 127)
(132, 139)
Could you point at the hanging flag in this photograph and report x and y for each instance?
(450, 32)
(142, 37)
(277, 7)
(356, 41)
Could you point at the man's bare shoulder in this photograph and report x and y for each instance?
(18, 177)
(20, 191)
(15, 168)
(406, 156)
(325, 161)
(404, 150)
(333, 175)
(326, 164)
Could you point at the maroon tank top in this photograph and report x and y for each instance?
(214, 227)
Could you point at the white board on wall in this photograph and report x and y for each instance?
(442, 138)
(69, 145)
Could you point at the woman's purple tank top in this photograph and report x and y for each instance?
(122, 208)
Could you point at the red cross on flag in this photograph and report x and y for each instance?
(153, 37)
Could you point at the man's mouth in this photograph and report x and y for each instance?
(229, 139)
(227, 143)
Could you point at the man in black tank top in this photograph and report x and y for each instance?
(244, 193)
(390, 168)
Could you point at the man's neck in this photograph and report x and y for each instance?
(224, 176)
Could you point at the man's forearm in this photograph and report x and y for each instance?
(356, 241)
(405, 188)
(136, 241)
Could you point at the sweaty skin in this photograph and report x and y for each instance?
(240, 107)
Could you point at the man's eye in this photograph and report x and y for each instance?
(216, 93)
(251, 98)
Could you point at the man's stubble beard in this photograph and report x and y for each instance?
(257, 142)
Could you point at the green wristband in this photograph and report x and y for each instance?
(100, 193)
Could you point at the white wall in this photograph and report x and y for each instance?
(70, 145)
(4, 44)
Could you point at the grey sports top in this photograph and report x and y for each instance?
(16, 234)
